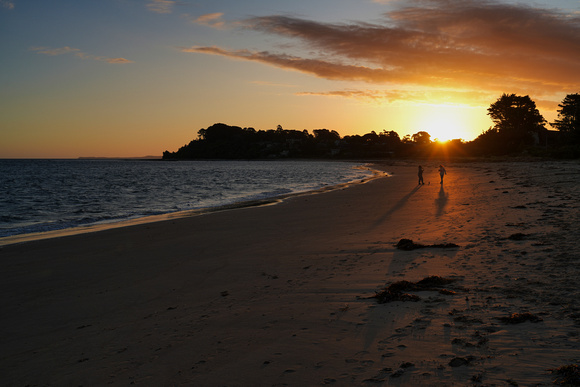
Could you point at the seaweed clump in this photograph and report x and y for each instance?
(517, 237)
(518, 318)
(459, 361)
(397, 291)
(408, 245)
(434, 281)
(568, 375)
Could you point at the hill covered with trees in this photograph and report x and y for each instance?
(519, 128)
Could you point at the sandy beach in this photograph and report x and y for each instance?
(283, 294)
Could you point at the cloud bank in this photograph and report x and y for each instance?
(456, 44)
(211, 19)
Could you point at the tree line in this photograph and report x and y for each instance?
(518, 128)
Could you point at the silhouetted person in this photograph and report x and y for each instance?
(420, 174)
(442, 172)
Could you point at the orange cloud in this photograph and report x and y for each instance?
(316, 67)
(211, 19)
(450, 97)
(118, 60)
(161, 6)
(457, 44)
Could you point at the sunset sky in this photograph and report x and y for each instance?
(137, 77)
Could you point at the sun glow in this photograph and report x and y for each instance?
(446, 123)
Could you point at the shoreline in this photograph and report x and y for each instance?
(29, 237)
(280, 294)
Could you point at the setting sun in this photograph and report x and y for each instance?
(446, 123)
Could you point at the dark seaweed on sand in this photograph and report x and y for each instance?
(397, 290)
(408, 245)
(459, 361)
(517, 237)
(518, 318)
(568, 375)
(434, 281)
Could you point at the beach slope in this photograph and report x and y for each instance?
(283, 294)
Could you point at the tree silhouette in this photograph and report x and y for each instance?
(391, 135)
(422, 138)
(569, 117)
(326, 135)
(391, 140)
(517, 121)
(518, 126)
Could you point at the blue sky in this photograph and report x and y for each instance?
(137, 77)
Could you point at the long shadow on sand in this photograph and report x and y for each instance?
(397, 206)
(380, 319)
(441, 201)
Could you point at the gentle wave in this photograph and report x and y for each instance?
(48, 195)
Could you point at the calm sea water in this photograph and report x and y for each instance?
(47, 195)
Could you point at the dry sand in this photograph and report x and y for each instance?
(279, 295)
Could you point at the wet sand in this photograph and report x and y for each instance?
(280, 295)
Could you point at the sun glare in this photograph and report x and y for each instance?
(445, 123)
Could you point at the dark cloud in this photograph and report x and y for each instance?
(440, 43)
(321, 68)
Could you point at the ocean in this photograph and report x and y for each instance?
(38, 196)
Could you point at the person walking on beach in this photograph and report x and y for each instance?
(442, 172)
(420, 174)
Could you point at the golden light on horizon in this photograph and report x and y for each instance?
(449, 122)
